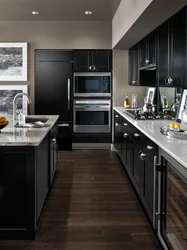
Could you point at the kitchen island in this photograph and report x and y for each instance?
(28, 162)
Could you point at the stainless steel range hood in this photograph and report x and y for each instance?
(148, 67)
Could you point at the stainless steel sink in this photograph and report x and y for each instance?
(31, 123)
(31, 120)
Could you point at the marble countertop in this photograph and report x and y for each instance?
(177, 148)
(11, 136)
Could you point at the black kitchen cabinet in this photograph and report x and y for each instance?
(172, 51)
(143, 52)
(53, 90)
(42, 182)
(147, 47)
(126, 146)
(178, 49)
(82, 60)
(150, 159)
(138, 162)
(134, 65)
(138, 155)
(53, 143)
(117, 125)
(92, 61)
(102, 60)
(166, 48)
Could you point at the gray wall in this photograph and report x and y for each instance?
(120, 80)
(55, 35)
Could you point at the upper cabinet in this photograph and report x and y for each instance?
(171, 67)
(134, 65)
(162, 55)
(92, 61)
(147, 48)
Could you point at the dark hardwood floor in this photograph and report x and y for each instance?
(91, 207)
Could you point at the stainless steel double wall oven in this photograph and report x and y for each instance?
(92, 103)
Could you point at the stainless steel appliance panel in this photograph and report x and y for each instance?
(92, 116)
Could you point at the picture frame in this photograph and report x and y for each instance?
(182, 104)
(151, 95)
(7, 94)
(13, 62)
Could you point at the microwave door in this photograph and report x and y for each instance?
(92, 85)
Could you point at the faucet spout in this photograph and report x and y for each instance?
(15, 104)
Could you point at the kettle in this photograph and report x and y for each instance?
(147, 107)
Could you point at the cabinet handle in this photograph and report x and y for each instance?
(90, 68)
(142, 155)
(69, 83)
(117, 116)
(125, 124)
(137, 135)
(125, 135)
(146, 61)
(170, 80)
(94, 68)
(154, 192)
(149, 147)
(133, 82)
(117, 124)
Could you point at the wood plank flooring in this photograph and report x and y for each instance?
(91, 207)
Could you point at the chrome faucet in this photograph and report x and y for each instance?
(15, 104)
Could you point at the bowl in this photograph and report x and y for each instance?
(3, 126)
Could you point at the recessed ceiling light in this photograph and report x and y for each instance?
(35, 12)
(88, 12)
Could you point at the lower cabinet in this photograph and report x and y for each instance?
(137, 153)
(53, 144)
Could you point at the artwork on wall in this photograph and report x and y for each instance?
(151, 95)
(7, 93)
(13, 61)
(182, 105)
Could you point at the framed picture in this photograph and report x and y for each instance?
(13, 61)
(151, 95)
(7, 94)
(182, 105)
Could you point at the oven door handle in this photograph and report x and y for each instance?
(69, 83)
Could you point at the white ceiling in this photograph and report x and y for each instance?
(20, 10)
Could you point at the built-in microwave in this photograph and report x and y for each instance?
(92, 84)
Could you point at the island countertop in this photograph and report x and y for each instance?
(11, 136)
(177, 148)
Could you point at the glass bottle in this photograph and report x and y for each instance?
(184, 118)
(134, 101)
(127, 102)
(165, 102)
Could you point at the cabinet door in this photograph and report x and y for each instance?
(138, 160)
(152, 48)
(101, 60)
(53, 151)
(134, 66)
(81, 60)
(151, 151)
(143, 52)
(51, 89)
(138, 169)
(117, 131)
(163, 54)
(178, 50)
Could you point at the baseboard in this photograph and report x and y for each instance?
(91, 146)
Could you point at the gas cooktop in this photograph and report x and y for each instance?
(141, 115)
